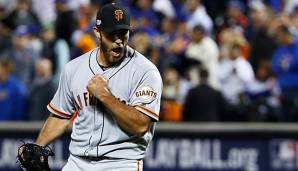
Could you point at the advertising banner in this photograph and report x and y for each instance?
(213, 154)
(182, 152)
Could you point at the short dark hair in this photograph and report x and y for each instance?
(199, 28)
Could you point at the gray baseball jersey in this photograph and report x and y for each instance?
(135, 81)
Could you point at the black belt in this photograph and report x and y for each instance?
(93, 158)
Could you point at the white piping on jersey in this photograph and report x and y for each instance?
(55, 111)
(146, 112)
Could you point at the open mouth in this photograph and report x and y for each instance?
(116, 51)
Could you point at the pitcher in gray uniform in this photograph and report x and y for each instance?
(112, 94)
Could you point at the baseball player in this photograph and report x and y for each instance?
(114, 91)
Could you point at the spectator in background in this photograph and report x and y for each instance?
(23, 15)
(172, 43)
(5, 35)
(230, 36)
(35, 42)
(173, 50)
(264, 95)
(66, 22)
(173, 95)
(294, 17)
(198, 16)
(86, 15)
(203, 50)
(146, 17)
(41, 91)
(83, 38)
(2, 12)
(9, 5)
(143, 44)
(168, 30)
(289, 6)
(225, 41)
(56, 50)
(143, 8)
(234, 19)
(45, 11)
(203, 103)
(235, 75)
(22, 56)
(285, 66)
(236, 14)
(262, 44)
(12, 94)
(164, 8)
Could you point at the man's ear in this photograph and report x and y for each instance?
(96, 31)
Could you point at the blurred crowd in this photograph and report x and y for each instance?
(228, 60)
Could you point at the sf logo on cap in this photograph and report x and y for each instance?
(118, 15)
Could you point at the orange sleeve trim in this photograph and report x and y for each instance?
(55, 111)
(147, 112)
(75, 115)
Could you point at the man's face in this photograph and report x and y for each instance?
(197, 36)
(113, 45)
(21, 42)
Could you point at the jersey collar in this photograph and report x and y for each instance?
(95, 67)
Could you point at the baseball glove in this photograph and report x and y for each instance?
(33, 157)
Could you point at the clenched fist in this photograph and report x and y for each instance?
(98, 87)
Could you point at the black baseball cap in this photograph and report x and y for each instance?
(111, 17)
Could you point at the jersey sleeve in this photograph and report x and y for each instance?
(61, 104)
(147, 95)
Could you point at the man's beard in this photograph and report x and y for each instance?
(107, 56)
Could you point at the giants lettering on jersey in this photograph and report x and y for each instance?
(147, 93)
(86, 99)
